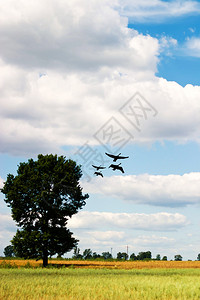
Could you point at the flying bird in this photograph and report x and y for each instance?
(98, 168)
(117, 167)
(116, 157)
(98, 174)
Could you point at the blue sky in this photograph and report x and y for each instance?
(93, 58)
(183, 69)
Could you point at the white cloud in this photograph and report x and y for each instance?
(161, 190)
(157, 10)
(167, 44)
(44, 113)
(152, 241)
(192, 47)
(75, 36)
(120, 238)
(157, 222)
(69, 66)
(82, 47)
(107, 235)
(115, 241)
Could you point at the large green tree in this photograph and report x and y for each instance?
(43, 195)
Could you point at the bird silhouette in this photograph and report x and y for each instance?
(98, 174)
(117, 167)
(98, 168)
(116, 157)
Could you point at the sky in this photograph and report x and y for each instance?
(80, 78)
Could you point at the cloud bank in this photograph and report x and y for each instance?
(158, 190)
(157, 222)
(68, 67)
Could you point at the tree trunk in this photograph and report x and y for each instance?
(45, 259)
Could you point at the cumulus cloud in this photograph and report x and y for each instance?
(50, 111)
(160, 190)
(80, 35)
(59, 60)
(68, 67)
(101, 231)
(158, 222)
(157, 10)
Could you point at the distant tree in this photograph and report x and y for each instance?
(43, 195)
(158, 257)
(198, 256)
(95, 255)
(133, 256)
(164, 257)
(106, 255)
(119, 255)
(9, 251)
(144, 255)
(87, 254)
(148, 254)
(76, 254)
(177, 257)
(122, 255)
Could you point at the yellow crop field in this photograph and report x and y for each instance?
(107, 264)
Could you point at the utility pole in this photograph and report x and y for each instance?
(111, 251)
(127, 251)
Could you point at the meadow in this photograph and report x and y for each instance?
(75, 282)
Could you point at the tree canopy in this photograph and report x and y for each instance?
(8, 251)
(122, 255)
(43, 195)
(178, 257)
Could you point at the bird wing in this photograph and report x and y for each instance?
(110, 155)
(121, 169)
(123, 157)
(95, 167)
(98, 174)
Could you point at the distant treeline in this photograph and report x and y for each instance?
(89, 254)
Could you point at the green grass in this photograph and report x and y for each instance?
(106, 284)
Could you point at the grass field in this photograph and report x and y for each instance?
(69, 283)
(68, 279)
